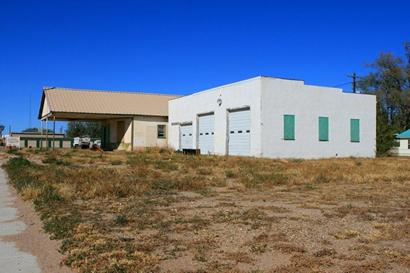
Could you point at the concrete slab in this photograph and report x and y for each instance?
(13, 260)
(7, 213)
(11, 228)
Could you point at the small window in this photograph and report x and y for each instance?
(232, 132)
(355, 130)
(161, 131)
(323, 129)
(289, 127)
(240, 132)
(248, 131)
(408, 144)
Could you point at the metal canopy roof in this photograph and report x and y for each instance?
(79, 104)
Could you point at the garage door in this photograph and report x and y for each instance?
(206, 125)
(239, 123)
(185, 136)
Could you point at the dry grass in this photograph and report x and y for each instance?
(157, 210)
(30, 193)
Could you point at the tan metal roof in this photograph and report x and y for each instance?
(80, 101)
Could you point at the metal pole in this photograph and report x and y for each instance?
(42, 133)
(132, 134)
(47, 133)
(54, 131)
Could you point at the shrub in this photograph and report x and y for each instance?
(18, 171)
(278, 178)
(121, 219)
(52, 159)
(30, 192)
(13, 152)
(48, 195)
(322, 178)
(60, 227)
(17, 163)
(165, 165)
(230, 174)
(204, 171)
(116, 162)
(163, 185)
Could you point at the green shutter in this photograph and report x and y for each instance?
(355, 130)
(289, 127)
(323, 129)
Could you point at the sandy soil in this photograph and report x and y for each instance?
(280, 231)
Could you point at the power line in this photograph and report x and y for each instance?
(338, 85)
(355, 80)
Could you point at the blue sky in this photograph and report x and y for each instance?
(181, 47)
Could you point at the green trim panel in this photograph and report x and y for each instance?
(355, 130)
(289, 127)
(323, 129)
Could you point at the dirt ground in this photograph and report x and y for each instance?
(336, 215)
(282, 231)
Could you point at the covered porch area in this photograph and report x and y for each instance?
(116, 131)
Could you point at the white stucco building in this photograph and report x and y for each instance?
(403, 141)
(274, 118)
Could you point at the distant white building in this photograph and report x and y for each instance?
(403, 149)
(274, 118)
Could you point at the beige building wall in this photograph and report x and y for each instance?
(43, 144)
(116, 138)
(145, 132)
(32, 143)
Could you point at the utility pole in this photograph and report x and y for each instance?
(354, 81)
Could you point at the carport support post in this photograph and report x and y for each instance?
(132, 134)
(42, 133)
(47, 133)
(54, 131)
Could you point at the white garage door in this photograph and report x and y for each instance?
(239, 132)
(206, 125)
(185, 136)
